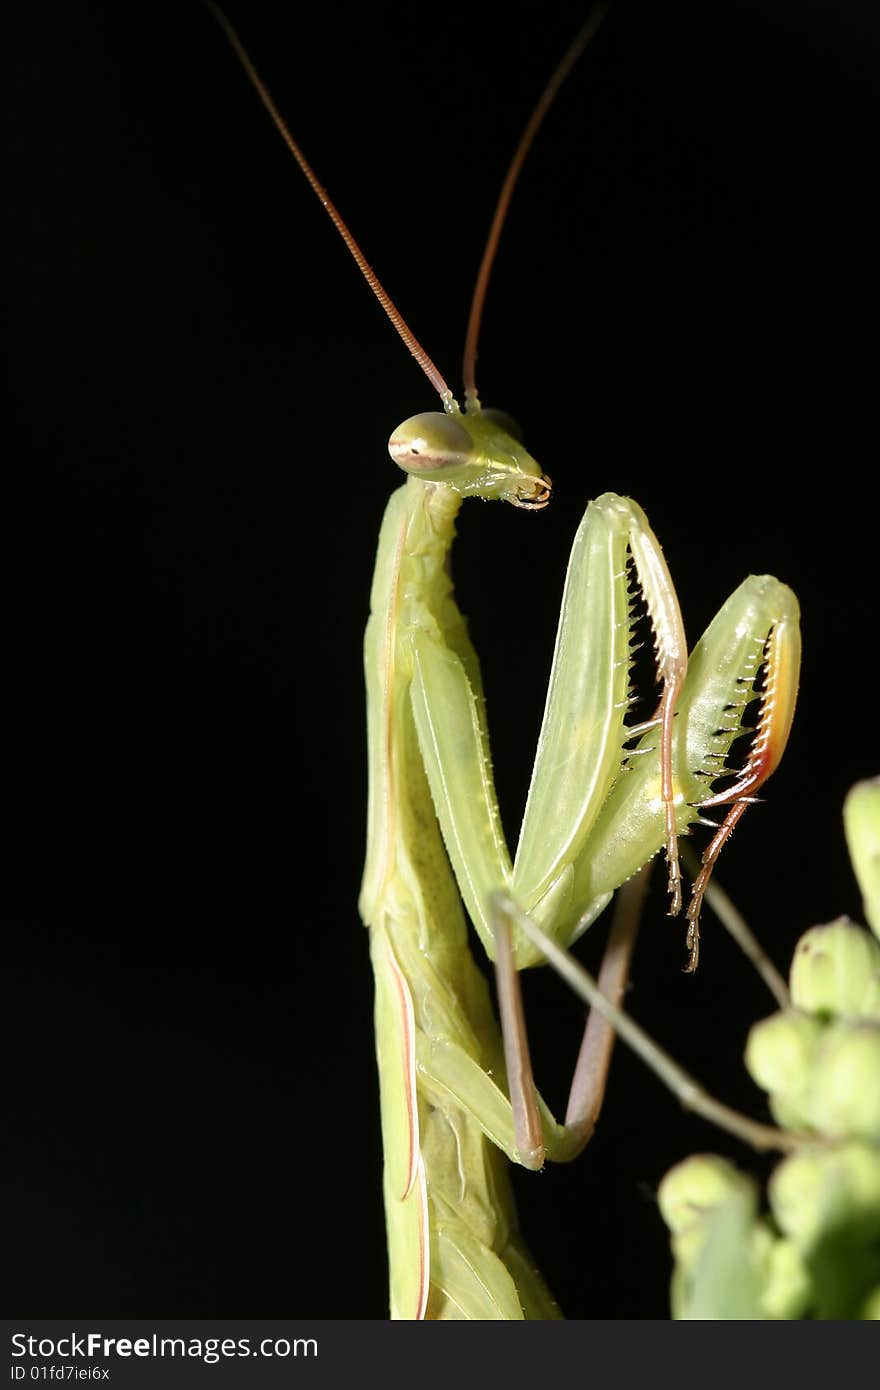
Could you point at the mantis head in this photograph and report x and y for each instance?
(478, 453)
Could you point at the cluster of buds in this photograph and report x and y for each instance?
(817, 1252)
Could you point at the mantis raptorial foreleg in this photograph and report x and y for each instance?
(588, 824)
(580, 748)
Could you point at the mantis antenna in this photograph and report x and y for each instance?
(545, 101)
(333, 213)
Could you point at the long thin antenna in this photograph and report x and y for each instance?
(336, 218)
(545, 101)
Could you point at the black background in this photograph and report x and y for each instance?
(684, 310)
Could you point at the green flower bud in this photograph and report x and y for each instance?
(861, 822)
(687, 1245)
(793, 1111)
(780, 1055)
(836, 971)
(690, 1197)
(871, 1306)
(844, 1098)
(815, 1190)
(695, 1187)
(718, 1270)
(786, 1292)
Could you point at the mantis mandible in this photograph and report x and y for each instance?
(605, 796)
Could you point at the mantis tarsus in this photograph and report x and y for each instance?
(606, 795)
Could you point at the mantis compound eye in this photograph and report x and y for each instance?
(433, 446)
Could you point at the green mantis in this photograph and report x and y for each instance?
(606, 795)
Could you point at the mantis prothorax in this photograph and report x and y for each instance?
(605, 796)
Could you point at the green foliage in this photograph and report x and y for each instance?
(816, 1253)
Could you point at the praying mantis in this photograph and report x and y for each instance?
(607, 794)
